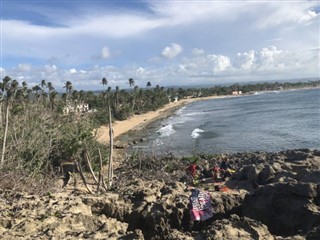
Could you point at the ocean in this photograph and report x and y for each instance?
(265, 121)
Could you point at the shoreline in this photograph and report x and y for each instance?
(139, 122)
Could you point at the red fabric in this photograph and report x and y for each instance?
(192, 170)
(224, 189)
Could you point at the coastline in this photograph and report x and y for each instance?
(139, 122)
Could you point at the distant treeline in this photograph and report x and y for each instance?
(244, 88)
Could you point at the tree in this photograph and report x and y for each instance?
(68, 87)
(131, 82)
(37, 89)
(9, 88)
(117, 97)
(43, 84)
(52, 98)
(50, 86)
(148, 84)
(104, 81)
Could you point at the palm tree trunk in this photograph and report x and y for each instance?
(110, 171)
(0, 113)
(5, 136)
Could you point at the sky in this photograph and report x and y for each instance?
(169, 43)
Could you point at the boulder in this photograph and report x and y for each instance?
(286, 208)
(236, 228)
(249, 173)
(265, 175)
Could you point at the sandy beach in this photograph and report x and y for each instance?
(138, 122)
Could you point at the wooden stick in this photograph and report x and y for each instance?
(87, 158)
(100, 171)
(82, 176)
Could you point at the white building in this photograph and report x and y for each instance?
(76, 108)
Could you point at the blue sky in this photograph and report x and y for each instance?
(164, 42)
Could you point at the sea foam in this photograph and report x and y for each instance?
(195, 133)
(166, 131)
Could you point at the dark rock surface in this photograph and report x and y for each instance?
(271, 196)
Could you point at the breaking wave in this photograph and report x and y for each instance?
(166, 131)
(196, 133)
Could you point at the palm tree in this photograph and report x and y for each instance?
(52, 98)
(9, 88)
(50, 90)
(117, 97)
(64, 97)
(134, 97)
(1, 100)
(50, 86)
(24, 84)
(43, 84)
(104, 81)
(37, 89)
(68, 87)
(131, 82)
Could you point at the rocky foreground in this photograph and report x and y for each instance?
(272, 196)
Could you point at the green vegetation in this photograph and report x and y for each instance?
(36, 136)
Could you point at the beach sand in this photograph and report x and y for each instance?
(138, 122)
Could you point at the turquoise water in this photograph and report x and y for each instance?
(269, 121)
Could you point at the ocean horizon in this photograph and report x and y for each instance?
(265, 121)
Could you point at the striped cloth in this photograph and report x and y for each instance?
(200, 203)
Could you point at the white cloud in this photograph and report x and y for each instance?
(284, 13)
(23, 67)
(105, 53)
(50, 68)
(261, 64)
(221, 28)
(245, 60)
(197, 51)
(72, 70)
(221, 63)
(267, 57)
(171, 51)
(307, 17)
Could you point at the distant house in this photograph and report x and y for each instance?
(236, 92)
(72, 107)
(174, 99)
(196, 94)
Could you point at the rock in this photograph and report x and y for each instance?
(286, 208)
(150, 203)
(314, 234)
(266, 175)
(249, 173)
(120, 145)
(225, 204)
(236, 228)
(293, 155)
(80, 208)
